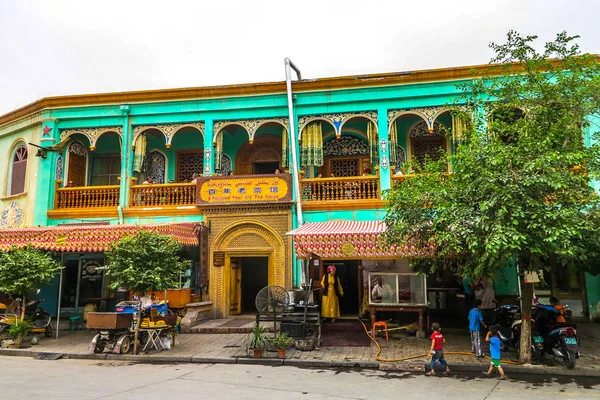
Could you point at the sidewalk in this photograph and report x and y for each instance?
(231, 348)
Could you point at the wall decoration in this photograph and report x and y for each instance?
(12, 216)
(383, 143)
(384, 162)
(337, 120)
(59, 168)
(420, 129)
(346, 146)
(77, 148)
(91, 133)
(156, 166)
(250, 125)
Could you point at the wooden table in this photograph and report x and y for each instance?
(416, 308)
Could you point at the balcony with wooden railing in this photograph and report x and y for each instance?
(85, 201)
(346, 192)
(163, 195)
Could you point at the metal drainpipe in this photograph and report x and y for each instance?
(288, 82)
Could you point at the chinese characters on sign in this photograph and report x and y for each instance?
(246, 189)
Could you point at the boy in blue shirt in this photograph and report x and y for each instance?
(495, 353)
(475, 321)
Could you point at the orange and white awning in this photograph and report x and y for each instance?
(349, 240)
(91, 238)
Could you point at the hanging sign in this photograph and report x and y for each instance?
(218, 258)
(219, 190)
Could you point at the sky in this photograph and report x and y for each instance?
(59, 47)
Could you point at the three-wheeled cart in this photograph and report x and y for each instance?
(114, 331)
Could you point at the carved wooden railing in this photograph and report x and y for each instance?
(348, 188)
(400, 178)
(173, 194)
(87, 197)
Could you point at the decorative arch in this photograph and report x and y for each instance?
(249, 125)
(17, 168)
(266, 148)
(337, 120)
(93, 134)
(246, 238)
(168, 130)
(428, 114)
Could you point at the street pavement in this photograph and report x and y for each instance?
(232, 348)
(26, 378)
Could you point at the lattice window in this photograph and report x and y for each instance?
(78, 148)
(106, 170)
(225, 165)
(428, 147)
(346, 146)
(155, 166)
(18, 171)
(188, 163)
(342, 168)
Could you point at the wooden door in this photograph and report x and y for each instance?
(235, 287)
(77, 167)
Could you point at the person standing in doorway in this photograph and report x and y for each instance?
(332, 291)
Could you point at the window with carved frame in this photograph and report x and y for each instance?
(18, 170)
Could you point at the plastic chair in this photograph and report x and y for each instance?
(382, 324)
(75, 321)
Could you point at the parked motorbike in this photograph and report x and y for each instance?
(40, 319)
(559, 340)
(507, 318)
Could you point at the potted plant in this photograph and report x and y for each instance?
(281, 342)
(18, 331)
(257, 340)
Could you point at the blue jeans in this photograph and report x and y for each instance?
(438, 359)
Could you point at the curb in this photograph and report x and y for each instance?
(400, 367)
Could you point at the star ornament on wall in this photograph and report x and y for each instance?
(47, 130)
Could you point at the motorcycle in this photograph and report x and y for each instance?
(509, 330)
(560, 340)
(40, 319)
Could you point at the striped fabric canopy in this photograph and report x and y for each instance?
(91, 238)
(349, 240)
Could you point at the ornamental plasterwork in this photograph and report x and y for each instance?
(12, 216)
(250, 125)
(168, 130)
(420, 129)
(91, 133)
(429, 114)
(346, 146)
(337, 120)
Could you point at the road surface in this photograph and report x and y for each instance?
(25, 378)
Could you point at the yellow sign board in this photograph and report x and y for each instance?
(60, 240)
(244, 189)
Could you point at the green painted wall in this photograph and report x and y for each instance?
(592, 285)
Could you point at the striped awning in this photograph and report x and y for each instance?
(91, 238)
(349, 240)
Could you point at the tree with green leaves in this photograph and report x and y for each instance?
(144, 262)
(524, 162)
(24, 270)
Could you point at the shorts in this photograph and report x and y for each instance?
(495, 362)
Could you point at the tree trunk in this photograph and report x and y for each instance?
(137, 329)
(526, 306)
(23, 307)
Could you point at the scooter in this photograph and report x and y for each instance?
(39, 318)
(509, 330)
(559, 341)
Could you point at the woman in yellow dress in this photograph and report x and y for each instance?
(330, 307)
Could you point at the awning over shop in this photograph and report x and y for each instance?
(91, 238)
(349, 240)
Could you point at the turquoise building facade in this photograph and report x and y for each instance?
(99, 149)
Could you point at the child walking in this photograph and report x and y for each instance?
(437, 350)
(495, 353)
(475, 321)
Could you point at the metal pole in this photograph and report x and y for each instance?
(295, 175)
(62, 262)
(78, 286)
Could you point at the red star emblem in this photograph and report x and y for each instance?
(47, 130)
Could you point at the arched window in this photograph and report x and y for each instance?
(18, 171)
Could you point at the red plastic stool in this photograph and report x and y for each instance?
(382, 324)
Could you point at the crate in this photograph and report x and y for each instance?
(97, 320)
(177, 298)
